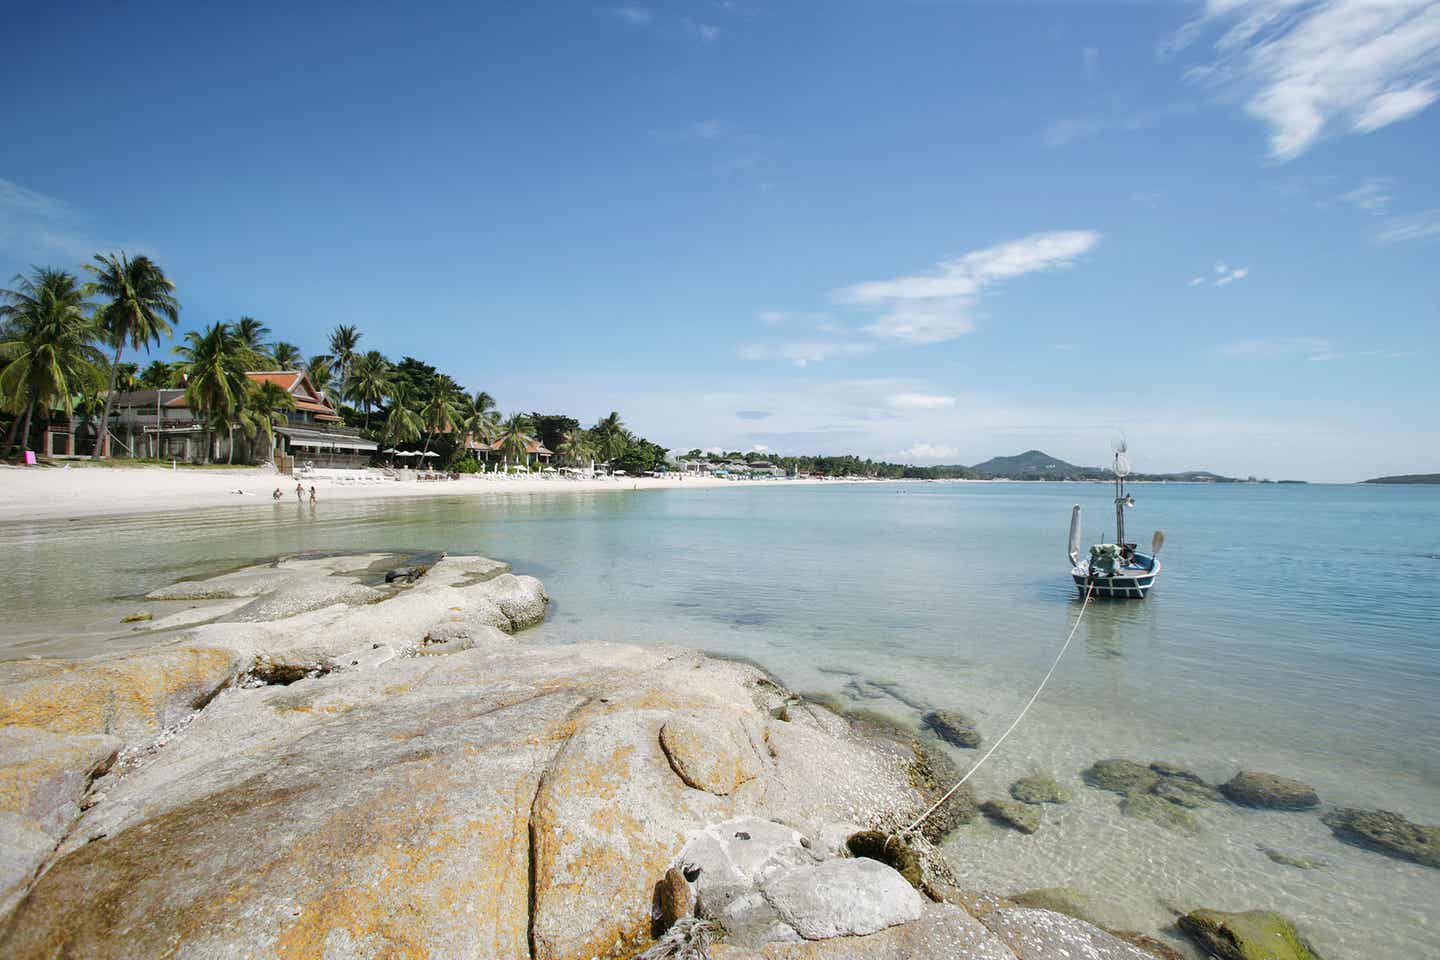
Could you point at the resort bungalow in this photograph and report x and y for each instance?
(160, 424)
(491, 451)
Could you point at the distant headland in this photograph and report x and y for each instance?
(1407, 478)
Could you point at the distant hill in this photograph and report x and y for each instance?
(1034, 463)
(1408, 478)
(1039, 465)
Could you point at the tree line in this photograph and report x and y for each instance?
(63, 343)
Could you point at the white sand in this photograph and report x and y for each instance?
(46, 493)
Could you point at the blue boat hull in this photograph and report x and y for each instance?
(1132, 583)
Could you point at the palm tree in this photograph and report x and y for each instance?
(368, 381)
(287, 356)
(265, 407)
(610, 435)
(252, 333)
(47, 347)
(127, 377)
(439, 412)
(216, 383)
(402, 423)
(159, 375)
(343, 343)
(575, 446)
(321, 373)
(480, 421)
(515, 438)
(141, 308)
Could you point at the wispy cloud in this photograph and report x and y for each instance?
(633, 13)
(1373, 195)
(1419, 226)
(1311, 348)
(1314, 68)
(1224, 275)
(935, 307)
(1068, 130)
(35, 227)
(919, 401)
(802, 353)
(754, 414)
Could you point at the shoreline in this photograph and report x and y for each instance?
(62, 493)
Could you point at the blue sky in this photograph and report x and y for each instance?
(930, 231)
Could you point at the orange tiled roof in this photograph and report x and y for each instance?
(294, 382)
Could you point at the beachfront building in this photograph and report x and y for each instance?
(491, 451)
(160, 424)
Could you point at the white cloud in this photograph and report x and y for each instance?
(919, 401)
(633, 13)
(935, 307)
(927, 451)
(772, 318)
(1313, 68)
(1420, 226)
(802, 353)
(759, 448)
(1223, 276)
(1371, 196)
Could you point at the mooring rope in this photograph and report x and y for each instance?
(1089, 589)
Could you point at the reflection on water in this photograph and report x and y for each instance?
(1322, 661)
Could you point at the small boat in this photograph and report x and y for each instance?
(1115, 571)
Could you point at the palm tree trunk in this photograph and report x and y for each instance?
(101, 447)
(23, 433)
(230, 446)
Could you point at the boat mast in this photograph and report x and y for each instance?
(1119, 504)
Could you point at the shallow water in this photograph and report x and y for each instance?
(1295, 629)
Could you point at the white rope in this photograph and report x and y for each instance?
(1089, 588)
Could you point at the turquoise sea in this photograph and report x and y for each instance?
(1295, 629)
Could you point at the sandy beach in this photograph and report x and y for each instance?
(29, 493)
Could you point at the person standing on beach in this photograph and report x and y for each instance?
(299, 493)
(312, 493)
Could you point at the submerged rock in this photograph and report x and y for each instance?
(1186, 793)
(1268, 791)
(1387, 833)
(933, 773)
(953, 727)
(1287, 860)
(141, 617)
(1254, 935)
(1147, 806)
(1121, 776)
(1039, 788)
(1022, 816)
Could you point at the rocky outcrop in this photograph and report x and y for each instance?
(1255, 935)
(1039, 788)
(953, 727)
(131, 696)
(1268, 791)
(1033, 934)
(1387, 833)
(43, 777)
(503, 801)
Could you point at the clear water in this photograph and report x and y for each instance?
(1295, 629)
